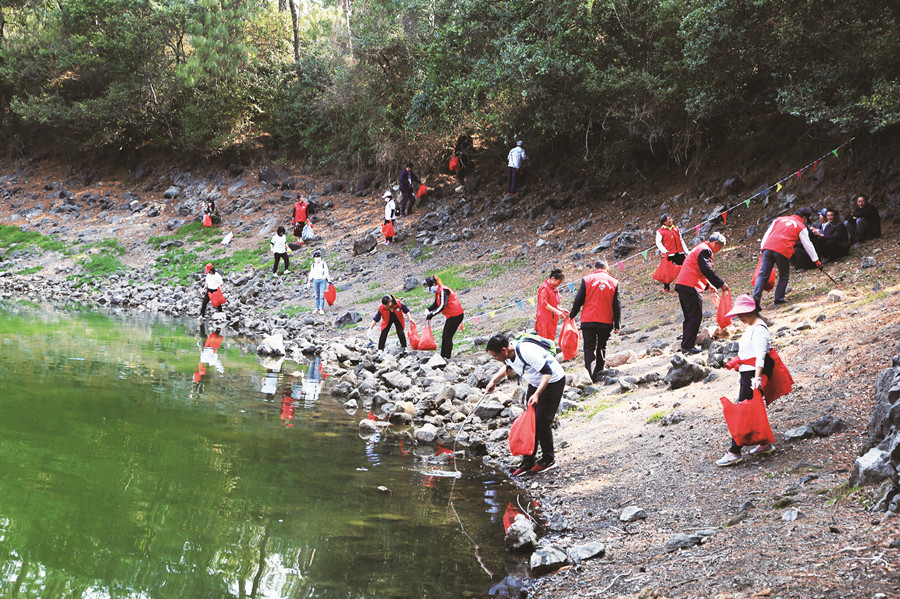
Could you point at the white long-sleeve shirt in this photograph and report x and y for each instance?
(213, 281)
(662, 248)
(516, 157)
(390, 209)
(754, 343)
(319, 270)
(278, 244)
(804, 240)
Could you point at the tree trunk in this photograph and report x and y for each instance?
(294, 19)
(282, 5)
(347, 5)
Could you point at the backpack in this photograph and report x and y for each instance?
(548, 345)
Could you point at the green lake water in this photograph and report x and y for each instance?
(136, 463)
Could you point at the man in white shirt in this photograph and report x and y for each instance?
(513, 165)
(546, 382)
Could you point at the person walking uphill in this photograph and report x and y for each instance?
(213, 283)
(299, 216)
(390, 212)
(599, 295)
(319, 278)
(408, 183)
(778, 246)
(514, 162)
(447, 303)
(546, 382)
(755, 343)
(391, 312)
(278, 246)
(548, 310)
(671, 245)
(697, 275)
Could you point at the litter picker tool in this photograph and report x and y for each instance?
(822, 268)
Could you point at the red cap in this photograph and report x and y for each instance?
(208, 268)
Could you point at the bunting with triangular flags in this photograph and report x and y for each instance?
(519, 304)
(621, 266)
(725, 217)
(835, 152)
(492, 314)
(531, 301)
(747, 202)
(644, 254)
(778, 187)
(815, 165)
(800, 174)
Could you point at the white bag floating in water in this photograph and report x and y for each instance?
(227, 239)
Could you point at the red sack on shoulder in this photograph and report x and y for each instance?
(454, 164)
(207, 221)
(413, 335)
(521, 433)
(426, 340)
(725, 306)
(422, 191)
(216, 298)
(667, 271)
(770, 284)
(747, 421)
(330, 294)
(387, 229)
(568, 339)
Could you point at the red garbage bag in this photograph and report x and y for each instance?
(770, 284)
(330, 294)
(387, 229)
(413, 335)
(454, 164)
(509, 516)
(422, 191)
(568, 339)
(724, 308)
(216, 298)
(207, 221)
(780, 383)
(213, 341)
(667, 271)
(426, 340)
(747, 421)
(521, 433)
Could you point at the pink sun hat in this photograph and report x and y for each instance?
(743, 304)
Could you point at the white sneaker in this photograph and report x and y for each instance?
(322, 312)
(729, 459)
(286, 271)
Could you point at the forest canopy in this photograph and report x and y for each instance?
(353, 82)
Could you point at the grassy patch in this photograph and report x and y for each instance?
(657, 416)
(294, 310)
(601, 405)
(427, 252)
(14, 237)
(29, 271)
(110, 245)
(845, 493)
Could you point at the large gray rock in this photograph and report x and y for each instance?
(632, 513)
(799, 433)
(367, 427)
(579, 553)
(273, 345)
(397, 380)
(364, 244)
(886, 411)
(411, 282)
(625, 244)
(547, 559)
(489, 409)
(828, 425)
(683, 372)
(172, 193)
(872, 467)
(427, 434)
(346, 318)
(521, 536)
(268, 175)
(683, 541)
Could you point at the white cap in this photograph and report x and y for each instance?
(387, 194)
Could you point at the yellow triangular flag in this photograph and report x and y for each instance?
(778, 187)
(531, 300)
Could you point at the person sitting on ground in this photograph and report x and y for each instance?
(391, 312)
(696, 276)
(599, 295)
(671, 245)
(548, 310)
(409, 182)
(864, 223)
(390, 212)
(546, 382)
(833, 241)
(754, 343)
(213, 212)
(777, 248)
(213, 283)
(278, 246)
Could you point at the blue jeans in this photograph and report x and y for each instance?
(319, 287)
(770, 259)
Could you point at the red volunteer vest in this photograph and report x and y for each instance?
(600, 288)
(549, 294)
(299, 212)
(784, 234)
(671, 239)
(690, 275)
(453, 307)
(386, 315)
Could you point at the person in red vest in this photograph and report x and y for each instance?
(391, 312)
(548, 310)
(299, 215)
(673, 249)
(777, 248)
(447, 303)
(696, 276)
(599, 295)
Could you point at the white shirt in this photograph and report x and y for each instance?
(754, 343)
(278, 244)
(213, 281)
(319, 270)
(516, 157)
(530, 360)
(390, 208)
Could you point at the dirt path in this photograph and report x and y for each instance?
(613, 452)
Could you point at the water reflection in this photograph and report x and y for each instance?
(161, 485)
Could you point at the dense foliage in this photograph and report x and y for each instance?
(356, 82)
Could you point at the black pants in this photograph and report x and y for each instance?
(407, 202)
(595, 335)
(397, 326)
(544, 412)
(450, 327)
(861, 230)
(511, 179)
(692, 308)
(287, 263)
(206, 302)
(771, 259)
